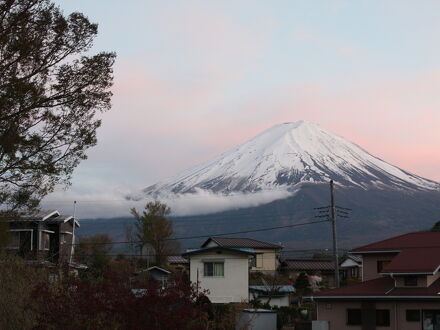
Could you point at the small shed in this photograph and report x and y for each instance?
(275, 295)
(159, 274)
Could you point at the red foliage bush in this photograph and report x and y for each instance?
(110, 303)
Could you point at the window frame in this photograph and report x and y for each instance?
(42, 243)
(213, 262)
(19, 238)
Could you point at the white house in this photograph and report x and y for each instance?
(222, 271)
(266, 254)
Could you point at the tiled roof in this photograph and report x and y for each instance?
(216, 248)
(177, 260)
(410, 240)
(355, 258)
(241, 243)
(415, 260)
(380, 288)
(307, 264)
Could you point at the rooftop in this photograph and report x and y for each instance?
(421, 239)
(241, 243)
(275, 288)
(380, 288)
(415, 260)
(417, 253)
(177, 260)
(307, 264)
(217, 248)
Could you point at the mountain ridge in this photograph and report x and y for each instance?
(286, 155)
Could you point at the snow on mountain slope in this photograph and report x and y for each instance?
(286, 155)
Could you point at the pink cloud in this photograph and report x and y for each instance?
(396, 119)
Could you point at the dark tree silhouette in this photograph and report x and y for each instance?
(436, 227)
(153, 228)
(50, 94)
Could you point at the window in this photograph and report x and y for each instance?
(410, 280)
(381, 264)
(413, 315)
(213, 269)
(63, 238)
(354, 317)
(383, 317)
(353, 272)
(20, 239)
(45, 241)
(14, 240)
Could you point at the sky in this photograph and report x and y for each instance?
(196, 78)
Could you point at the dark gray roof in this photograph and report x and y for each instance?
(356, 258)
(241, 243)
(48, 216)
(177, 260)
(162, 270)
(307, 264)
(246, 251)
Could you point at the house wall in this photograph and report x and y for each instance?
(400, 281)
(369, 264)
(233, 286)
(336, 313)
(432, 278)
(266, 260)
(66, 248)
(422, 280)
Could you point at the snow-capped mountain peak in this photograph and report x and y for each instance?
(286, 155)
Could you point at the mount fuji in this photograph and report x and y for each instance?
(287, 155)
(297, 159)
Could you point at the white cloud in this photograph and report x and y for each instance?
(113, 204)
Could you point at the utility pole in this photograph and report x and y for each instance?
(335, 242)
(72, 247)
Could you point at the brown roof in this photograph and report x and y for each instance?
(410, 240)
(417, 252)
(307, 264)
(415, 260)
(378, 288)
(241, 243)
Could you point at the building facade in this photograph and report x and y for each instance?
(222, 272)
(46, 236)
(400, 288)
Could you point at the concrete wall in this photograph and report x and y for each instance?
(369, 264)
(257, 320)
(233, 286)
(336, 313)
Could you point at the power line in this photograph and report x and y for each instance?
(215, 235)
